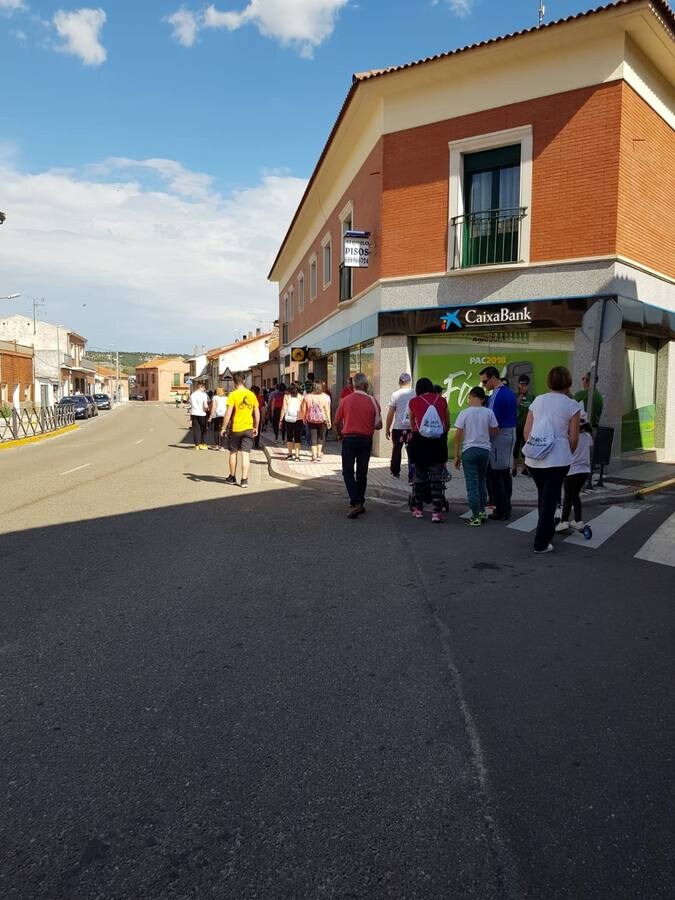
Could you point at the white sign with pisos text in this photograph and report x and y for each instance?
(356, 249)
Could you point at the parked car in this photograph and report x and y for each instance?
(102, 401)
(92, 404)
(79, 403)
(137, 397)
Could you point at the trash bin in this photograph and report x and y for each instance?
(602, 450)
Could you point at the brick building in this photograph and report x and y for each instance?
(507, 188)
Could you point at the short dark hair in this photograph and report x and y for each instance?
(255, 389)
(559, 379)
(281, 387)
(238, 378)
(424, 386)
(489, 372)
(477, 392)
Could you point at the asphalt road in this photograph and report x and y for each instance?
(211, 692)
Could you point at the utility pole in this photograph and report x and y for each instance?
(37, 302)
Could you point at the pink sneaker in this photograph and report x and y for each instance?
(436, 517)
(417, 514)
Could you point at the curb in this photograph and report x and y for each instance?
(382, 493)
(7, 445)
(654, 487)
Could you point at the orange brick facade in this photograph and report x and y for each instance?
(365, 193)
(646, 219)
(603, 175)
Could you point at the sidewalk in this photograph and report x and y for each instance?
(327, 475)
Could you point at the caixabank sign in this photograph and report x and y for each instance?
(486, 317)
(477, 317)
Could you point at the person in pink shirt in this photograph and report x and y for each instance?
(357, 418)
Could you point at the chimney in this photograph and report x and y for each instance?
(258, 332)
(243, 337)
(250, 335)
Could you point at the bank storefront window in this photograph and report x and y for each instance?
(362, 359)
(639, 394)
(455, 362)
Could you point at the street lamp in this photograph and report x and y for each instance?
(10, 297)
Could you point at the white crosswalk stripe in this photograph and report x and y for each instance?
(526, 523)
(604, 526)
(660, 548)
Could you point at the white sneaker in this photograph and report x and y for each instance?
(549, 549)
(562, 526)
(578, 526)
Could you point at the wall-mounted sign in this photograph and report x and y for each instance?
(314, 353)
(481, 320)
(356, 249)
(298, 354)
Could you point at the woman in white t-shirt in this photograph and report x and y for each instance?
(216, 416)
(553, 421)
(475, 426)
(292, 418)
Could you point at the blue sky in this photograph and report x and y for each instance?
(152, 154)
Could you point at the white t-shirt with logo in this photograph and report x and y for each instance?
(476, 422)
(199, 401)
(400, 400)
(558, 409)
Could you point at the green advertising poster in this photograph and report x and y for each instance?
(457, 372)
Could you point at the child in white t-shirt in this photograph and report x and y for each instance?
(475, 425)
(576, 478)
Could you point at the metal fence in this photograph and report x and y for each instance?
(31, 421)
(487, 238)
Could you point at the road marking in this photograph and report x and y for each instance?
(76, 469)
(526, 523)
(604, 526)
(140, 442)
(660, 548)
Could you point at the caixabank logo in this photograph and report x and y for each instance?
(477, 317)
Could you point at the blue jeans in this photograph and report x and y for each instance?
(356, 450)
(475, 462)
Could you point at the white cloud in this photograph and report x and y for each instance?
(461, 8)
(81, 31)
(12, 5)
(185, 26)
(161, 259)
(301, 23)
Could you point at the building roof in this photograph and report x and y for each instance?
(218, 351)
(159, 361)
(660, 7)
(107, 372)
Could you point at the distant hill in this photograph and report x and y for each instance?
(128, 360)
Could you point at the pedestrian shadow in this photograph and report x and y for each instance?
(216, 479)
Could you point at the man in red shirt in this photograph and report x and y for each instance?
(357, 418)
(347, 389)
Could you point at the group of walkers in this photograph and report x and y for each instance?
(551, 431)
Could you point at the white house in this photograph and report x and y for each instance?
(245, 355)
(61, 367)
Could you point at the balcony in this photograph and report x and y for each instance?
(490, 237)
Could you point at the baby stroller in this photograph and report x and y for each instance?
(427, 498)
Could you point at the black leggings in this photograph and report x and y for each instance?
(199, 430)
(217, 426)
(429, 479)
(573, 486)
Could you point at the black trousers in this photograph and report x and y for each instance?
(500, 490)
(572, 496)
(356, 450)
(199, 429)
(396, 450)
(549, 485)
(276, 416)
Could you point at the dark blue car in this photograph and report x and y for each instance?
(79, 403)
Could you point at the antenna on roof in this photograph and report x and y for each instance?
(542, 13)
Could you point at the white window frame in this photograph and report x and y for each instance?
(347, 213)
(301, 292)
(490, 141)
(327, 242)
(286, 309)
(291, 302)
(313, 263)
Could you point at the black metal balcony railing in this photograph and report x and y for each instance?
(487, 238)
(345, 282)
